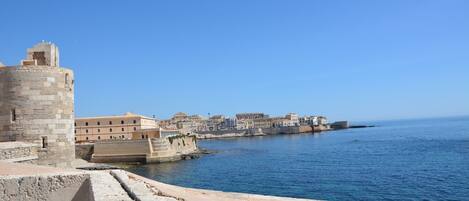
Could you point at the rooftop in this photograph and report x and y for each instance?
(127, 114)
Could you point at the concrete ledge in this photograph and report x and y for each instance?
(31, 182)
(105, 187)
(22, 159)
(138, 190)
(191, 194)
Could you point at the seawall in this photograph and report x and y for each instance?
(151, 150)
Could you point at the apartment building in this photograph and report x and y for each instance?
(90, 129)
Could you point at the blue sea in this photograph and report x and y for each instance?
(426, 159)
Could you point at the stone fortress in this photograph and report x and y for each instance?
(37, 107)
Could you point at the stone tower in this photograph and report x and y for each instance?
(37, 105)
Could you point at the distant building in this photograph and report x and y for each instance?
(292, 119)
(217, 118)
(244, 116)
(229, 124)
(111, 127)
(180, 116)
(244, 124)
(154, 133)
(263, 123)
(322, 120)
(313, 120)
(196, 118)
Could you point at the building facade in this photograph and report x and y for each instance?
(252, 115)
(92, 129)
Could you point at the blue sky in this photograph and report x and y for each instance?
(355, 60)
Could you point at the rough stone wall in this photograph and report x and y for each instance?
(32, 182)
(84, 151)
(55, 187)
(152, 149)
(13, 151)
(37, 106)
(183, 144)
(122, 147)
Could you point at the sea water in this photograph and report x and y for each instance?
(396, 160)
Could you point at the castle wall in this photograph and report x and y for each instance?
(36, 106)
(144, 150)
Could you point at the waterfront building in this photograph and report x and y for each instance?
(196, 118)
(166, 124)
(292, 119)
(180, 116)
(253, 115)
(154, 133)
(91, 129)
(244, 124)
(313, 120)
(262, 123)
(322, 120)
(229, 124)
(36, 106)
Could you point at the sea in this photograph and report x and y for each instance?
(419, 159)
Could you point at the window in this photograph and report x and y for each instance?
(146, 136)
(110, 130)
(135, 121)
(13, 115)
(135, 128)
(75, 138)
(75, 131)
(40, 57)
(99, 137)
(66, 78)
(122, 122)
(123, 137)
(110, 122)
(110, 137)
(86, 130)
(75, 123)
(86, 138)
(99, 130)
(99, 123)
(86, 123)
(143, 137)
(122, 129)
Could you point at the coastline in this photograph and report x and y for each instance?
(262, 132)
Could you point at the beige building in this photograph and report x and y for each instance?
(111, 127)
(154, 133)
(252, 115)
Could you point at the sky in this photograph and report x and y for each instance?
(347, 60)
